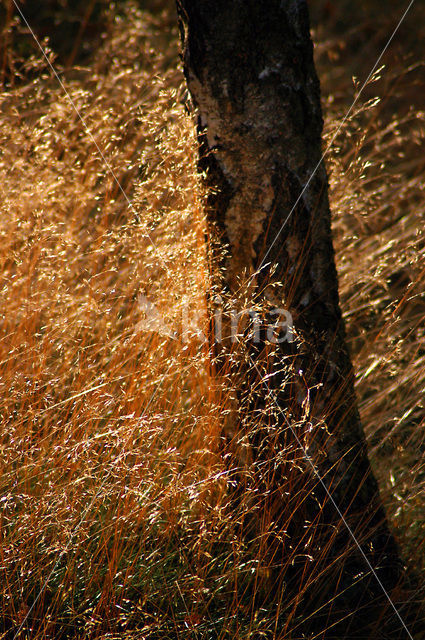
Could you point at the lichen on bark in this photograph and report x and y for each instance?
(250, 71)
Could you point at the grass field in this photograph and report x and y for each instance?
(114, 519)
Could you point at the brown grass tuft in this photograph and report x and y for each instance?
(114, 520)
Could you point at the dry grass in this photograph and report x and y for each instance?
(378, 208)
(114, 518)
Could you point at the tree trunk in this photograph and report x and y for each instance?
(249, 68)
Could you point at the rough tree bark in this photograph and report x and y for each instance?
(250, 72)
